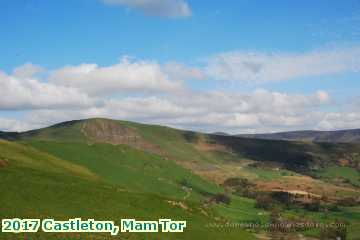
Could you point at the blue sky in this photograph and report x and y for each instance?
(300, 56)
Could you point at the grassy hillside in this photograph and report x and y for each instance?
(130, 169)
(109, 169)
(45, 189)
(24, 156)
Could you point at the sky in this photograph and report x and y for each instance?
(245, 66)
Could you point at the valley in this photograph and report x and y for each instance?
(109, 169)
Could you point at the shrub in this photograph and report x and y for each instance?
(282, 197)
(264, 201)
(222, 198)
(348, 202)
(314, 206)
(241, 187)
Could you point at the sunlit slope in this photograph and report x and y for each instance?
(201, 152)
(85, 167)
(131, 168)
(17, 155)
(41, 190)
(184, 145)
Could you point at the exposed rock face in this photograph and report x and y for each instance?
(107, 131)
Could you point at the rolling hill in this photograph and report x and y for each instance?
(343, 136)
(111, 169)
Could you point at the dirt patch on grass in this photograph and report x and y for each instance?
(207, 147)
(3, 163)
(343, 162)
(179, 204)
(107, 131)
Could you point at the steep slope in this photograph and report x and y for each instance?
(342, 136)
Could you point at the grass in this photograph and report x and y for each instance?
(130, 169)
(242, 210)
(347, 173)
(30, 193)
(57, 172)
(176, 144)
(27, 156)
(350, 216)
(269, 174)
(33, 186)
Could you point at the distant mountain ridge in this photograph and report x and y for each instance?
(340, 136)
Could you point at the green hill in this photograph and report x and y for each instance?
(109, 169)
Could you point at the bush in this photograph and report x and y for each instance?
(241, 187)
(314, 206)
(264, 201)
(333, 208)
(348, 202)
(222, 198)
(282, 197)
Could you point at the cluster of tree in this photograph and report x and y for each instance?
(268, 201)
(221, 198)
(241, 187)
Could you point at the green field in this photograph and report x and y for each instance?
(348, 174)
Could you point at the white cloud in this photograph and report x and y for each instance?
(181, 72)
(150, 92)
(260, 67)
(162, 8)
(140, 76)
(257, 111)
(27, 70)
(13, 125)
(340, 120)
(29, 93)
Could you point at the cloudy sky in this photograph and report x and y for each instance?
(233, 66)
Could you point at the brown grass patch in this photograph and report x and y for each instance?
(208, 147)
(305, 185)
(4, 163)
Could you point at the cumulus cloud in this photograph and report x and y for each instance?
(260, 67)
(27, 70)
(183, 72)
(339, 120)
(260, 110)
(162, 8)
(149, 92)
(28, 93)
(127, 75)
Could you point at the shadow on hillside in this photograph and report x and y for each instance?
(292, 155)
